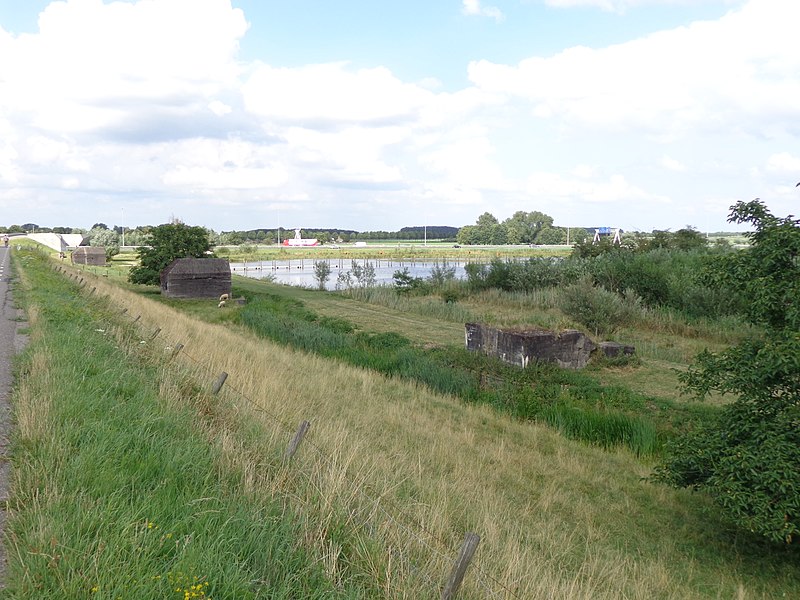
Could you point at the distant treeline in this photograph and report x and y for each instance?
(431, 232)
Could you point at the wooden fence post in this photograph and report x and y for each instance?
(298, 437)
(219, 383)
(460, 566)
(178, 347)
(155, 333)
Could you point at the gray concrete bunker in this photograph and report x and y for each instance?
(569, 349)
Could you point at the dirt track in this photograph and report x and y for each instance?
(11, 342)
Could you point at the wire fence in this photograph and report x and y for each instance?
(374, 512)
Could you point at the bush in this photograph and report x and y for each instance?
(601, 311)
(748, 460)
(322, 272)
(476, 275)
(441, 274)
(405, 283)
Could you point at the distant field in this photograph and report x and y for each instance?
(391, 250)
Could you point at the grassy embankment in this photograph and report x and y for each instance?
(558, 518)
(122, 484)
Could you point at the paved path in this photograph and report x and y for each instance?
(11, 341)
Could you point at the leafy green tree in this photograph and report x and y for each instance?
(551, 235)
(524, 227)
(748, 459)
(165, 244)
(688, 238)
(405, 282)
(468, 235)
(322, 272)
(103, 237)
(487, 230)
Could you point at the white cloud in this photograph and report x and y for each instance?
(353, 155)
(614, 189)
(474, 8)
(94, 64)
(621, 6)
(219, 108)
(672, 164)
(466, 156)
(585, 171)
(784, 162)
(222, 164)
(740, 72)
(330, 93)
(150, 100)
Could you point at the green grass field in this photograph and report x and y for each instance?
(121, 437)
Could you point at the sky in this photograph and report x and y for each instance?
(377, 115)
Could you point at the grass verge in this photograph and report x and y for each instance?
(117, 491)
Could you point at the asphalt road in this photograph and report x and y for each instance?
(11, 341)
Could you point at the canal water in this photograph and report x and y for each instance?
(300, 272)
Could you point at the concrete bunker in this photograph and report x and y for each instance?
(569, 349)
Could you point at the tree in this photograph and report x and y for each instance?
(551, 235)
(103, 237)
(523, 227)
(322, 272)
(487, 230)
(165, 244)
(748, 459)
(688, 238)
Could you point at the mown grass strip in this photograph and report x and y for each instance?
(116, 491)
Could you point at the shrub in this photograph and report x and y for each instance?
(322, 272)
(748, 460)
(405, 283)
(598, 309)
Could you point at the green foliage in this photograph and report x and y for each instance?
(359, 275)
(165, 244)
(596, 308)
(405, 283)
(603, 428)
(749, 459)
(524, 227)
(441, 274)
(521, 228)
(102, 236)
(587, 248)
(322, 272)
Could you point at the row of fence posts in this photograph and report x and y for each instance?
(468, 547)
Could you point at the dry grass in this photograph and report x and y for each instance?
(558, 519)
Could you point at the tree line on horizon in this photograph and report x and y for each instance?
(532, 228)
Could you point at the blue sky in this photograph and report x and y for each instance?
(237, 114)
